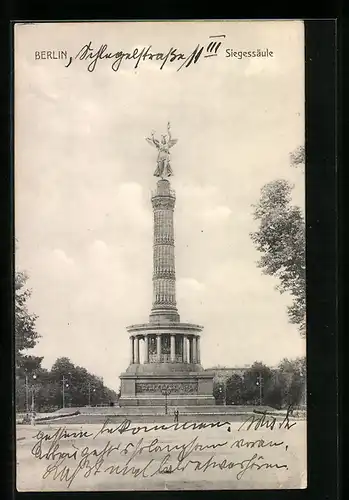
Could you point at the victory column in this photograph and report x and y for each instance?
(171, 349)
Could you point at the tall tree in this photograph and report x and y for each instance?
(81, 388)
(256, 383)
(273, 390)
(292, 374)
(234, 390)
(218, 391)
(280, 239)
(26, 335)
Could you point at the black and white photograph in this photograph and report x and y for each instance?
(160, 279)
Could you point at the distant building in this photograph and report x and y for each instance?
(224, 372)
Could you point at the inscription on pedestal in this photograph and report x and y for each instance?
(174, 388)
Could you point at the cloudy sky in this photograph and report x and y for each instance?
(84, 173)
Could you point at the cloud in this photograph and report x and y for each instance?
(189, 285)
(58, 265)
(130, 206)
(217, 214)
(197, 191)
(61, 257)
(190, 295)
(99, 250)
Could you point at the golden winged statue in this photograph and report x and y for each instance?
(163, 146)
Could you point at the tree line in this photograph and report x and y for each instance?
(260, 385)
(64, 385)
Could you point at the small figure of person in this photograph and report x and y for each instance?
(176, 415)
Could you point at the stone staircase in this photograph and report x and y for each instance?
(160, 410)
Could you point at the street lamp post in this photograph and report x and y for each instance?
(33, 402)
(259, 383)
(26, 394)
(166, 391)
(64, 385)
(89, 393)
(29, 389)
(223, 392)
(303, 398)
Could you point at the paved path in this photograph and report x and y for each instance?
(210, 458)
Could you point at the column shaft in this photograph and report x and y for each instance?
(185, 352)
(158, 348)
(137, 351)
(164, 278)
(189, 350)
(146, 349)
(198, 354)
(173, 348)
(132, 342)
(194, 354)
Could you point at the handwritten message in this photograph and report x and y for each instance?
(147, 53)
(259, 444)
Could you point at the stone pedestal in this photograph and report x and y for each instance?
(183, 389)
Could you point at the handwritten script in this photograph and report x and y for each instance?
(127, 450)
(137, 56)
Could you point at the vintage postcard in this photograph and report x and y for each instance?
(160, 255)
